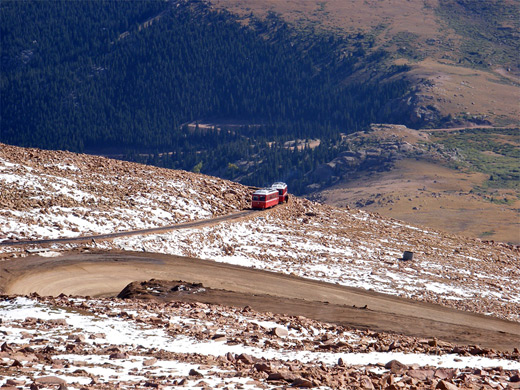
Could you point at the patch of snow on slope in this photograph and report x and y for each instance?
(40, 188)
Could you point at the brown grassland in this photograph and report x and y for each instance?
(426, 194)
(429, 191)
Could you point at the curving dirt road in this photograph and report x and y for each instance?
(107, 273)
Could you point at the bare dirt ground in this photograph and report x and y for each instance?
(107, 273)
(338, 14)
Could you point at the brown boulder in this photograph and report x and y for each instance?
(244, 357)
(301, 382)
(280, 332)
(16, 363)
(15, 382)
(26, 349)
(386, 380)
(444, 385)
(219, 337)
(50, 380)
(366, 383)
(6, 348)
(446, 373)
(230, 357)
(421, 374)
(262, 367)
(118, 355)
(281, 375)
(57, 322)
(396, 367)
(149, 362)
(194, 372)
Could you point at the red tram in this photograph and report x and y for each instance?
(282, 191)
(269, 197)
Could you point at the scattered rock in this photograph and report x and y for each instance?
(263, 367)
(281, 375)
(280, 332)
(366, 383)
(445, 373)
(301, 382)
(244, 357)
(118, 355)
(149, 362)
(421, 374)
(195, 373)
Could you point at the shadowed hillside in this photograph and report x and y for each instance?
(128, 81)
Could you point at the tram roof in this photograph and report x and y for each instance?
(264, 191)
(279, 185)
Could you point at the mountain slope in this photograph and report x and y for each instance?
(348, 247)
(109, 81)
(463, 181)
(157, 334)
(462, 54)
(51, 194)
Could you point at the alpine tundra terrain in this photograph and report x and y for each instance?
(303, 295)
(267, 90)
(463, 181)
(461, 60)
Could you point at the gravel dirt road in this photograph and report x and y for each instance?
(107, 273)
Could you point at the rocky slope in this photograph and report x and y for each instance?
(51, 194)
(104, 343)
(357, 249)
(74, 343)
(348, 247)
